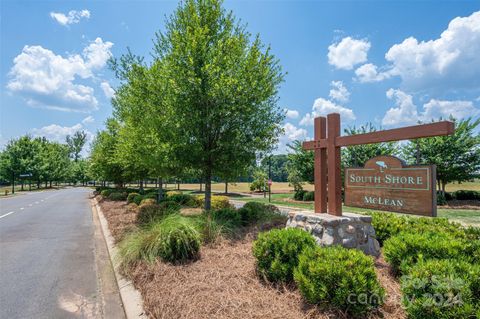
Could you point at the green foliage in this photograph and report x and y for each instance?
(277, 252)
(467, 195)
(106, 192)
(76, 143)
(405, 249)
(300, 164)
(356, 156)
(211, 231)
(387, 225)
(148, 201)
(183, 199)
(217, 202)
(227, 217)
(117, 196)
(277, 164)
(259, 182)
(339, 277)
(456, 156)
(299, 194)
(131, 197)
(255, 213)
(170, 206)
(441, 289)
(138, 199)
(148, 212)
(309, 196)
(174, 239)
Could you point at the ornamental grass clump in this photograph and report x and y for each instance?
(150, 211)
(254, 213)
(174, 239)
(338, 277)
(277, 252)
(117, 196)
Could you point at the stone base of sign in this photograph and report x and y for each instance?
(350, 230)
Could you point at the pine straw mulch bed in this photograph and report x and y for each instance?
(223, 282)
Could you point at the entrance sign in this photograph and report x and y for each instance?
(327, 153)
(386, 183)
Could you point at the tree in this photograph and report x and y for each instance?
(221, 87)
(357, 155)
(104, 163)
(457, 156)
(76, 143)
(277, 164)
(259, 180)
(300, 163)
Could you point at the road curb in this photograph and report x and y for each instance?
(131, 297)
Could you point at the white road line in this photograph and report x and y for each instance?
(5, 215)
(41, 200)
(30, 205)
(36, 202)
(22, 208)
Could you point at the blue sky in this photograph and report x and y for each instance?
(389, 63)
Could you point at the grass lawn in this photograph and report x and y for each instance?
(464, 216)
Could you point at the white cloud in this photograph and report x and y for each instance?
(323, 107)
(55, 132)
(107, 89)
(435, 109)
(71, 17)
(339, 92)
(47, 80)
(405, 111)
(369, 73)
(291, 114)
(89, 119)
(293, 133)
(448, 63)
(307, 119)
(348, 52)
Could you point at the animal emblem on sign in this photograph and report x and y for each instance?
(382, 165)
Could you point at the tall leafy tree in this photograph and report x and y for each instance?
(76, 143)
(300, 163)
(222, 88)
(457, 156)
(357, 155)
(277, 165)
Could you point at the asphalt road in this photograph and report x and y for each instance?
(47, 257)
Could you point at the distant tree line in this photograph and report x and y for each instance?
(43, 162)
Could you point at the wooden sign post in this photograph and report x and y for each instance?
(328, 182)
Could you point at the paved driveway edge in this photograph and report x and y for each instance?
(131, 297)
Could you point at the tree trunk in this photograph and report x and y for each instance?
(50, 184)
(46, 184)
(208, 189)
(200, 185)
(38, 184)
(141, 185)
(443, 187)
(178, 185)
(226, 187)
(22, 185)
(160, 189)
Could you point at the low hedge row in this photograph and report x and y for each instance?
(328, 276)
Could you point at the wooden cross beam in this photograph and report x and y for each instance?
(327, 154)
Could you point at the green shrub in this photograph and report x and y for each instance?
(387, 225)
(138, 199)
(309, 196)
(405, 249)
(299, 193)
(227, 217)
(117, 196)
(183, 199)
(441, 198)
(258, 213)
(106, 192)
(131, 197)
(217, 202)
(441, 289)
(467, 195)
(151, 196)
(339, 277)
(148, 212)
(174, 239)
(277, 252)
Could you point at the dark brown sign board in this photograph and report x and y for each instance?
(386, 183)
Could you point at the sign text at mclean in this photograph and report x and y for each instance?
(385, 183)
